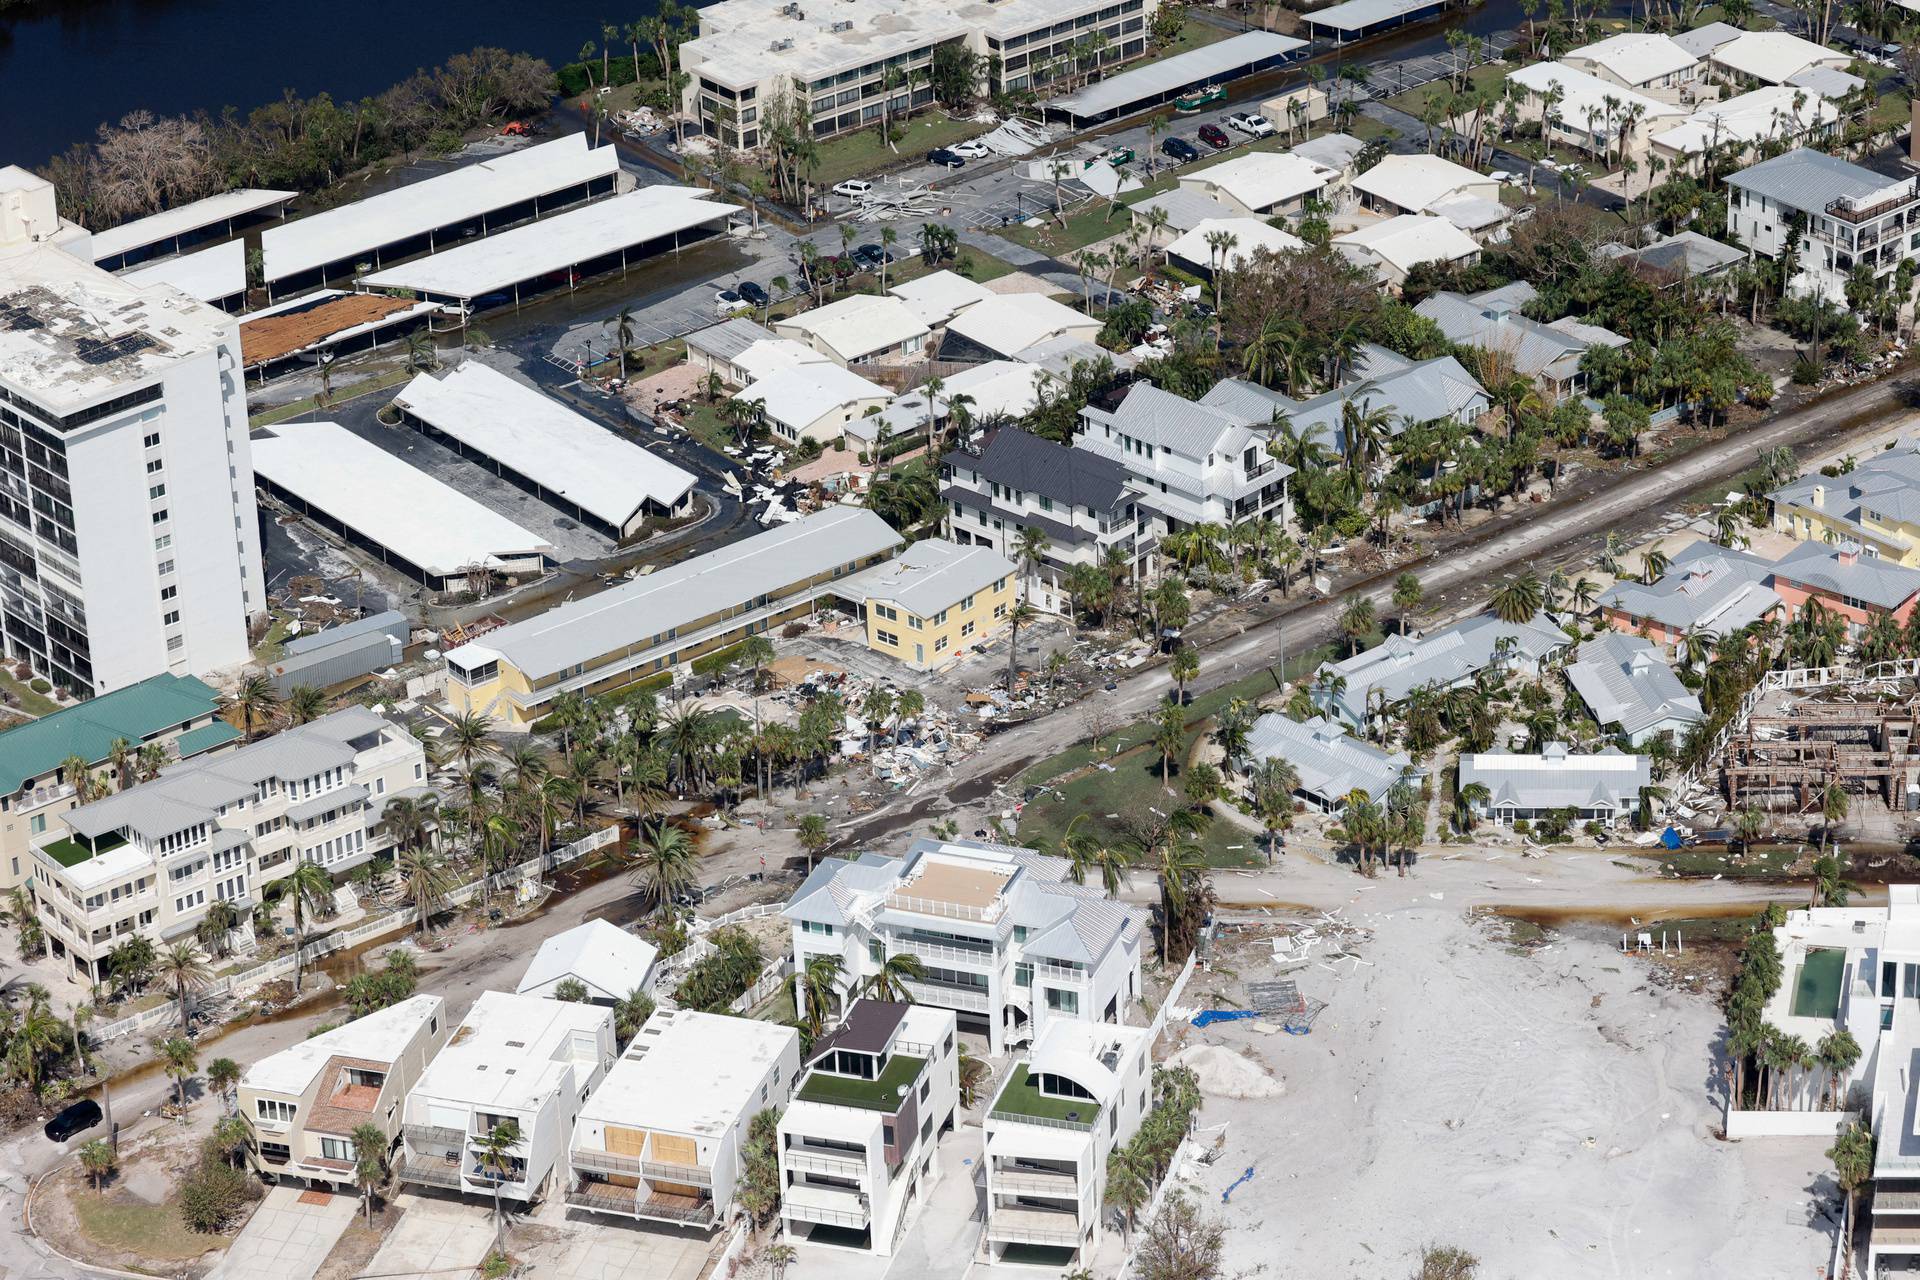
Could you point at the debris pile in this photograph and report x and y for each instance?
(884, 204)
(1016, 136)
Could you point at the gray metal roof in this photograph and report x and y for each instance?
(336, 799)
(1706, 587)
(1334, 150)
(1492, 322)
(1685, 253)
(1809, 180)
(1558, 779)
(729, 338)
(1331, 762)
(1185, 208)
(1408, 392)
(1187, 427)
(931, 575)
(1626, 682)
(1702, 41)
(1843, 571)
(1021, 460)
(1887, 483)
(1400, 664)
(1828, 82)
(1165, 76)
(633, 614)
(392, 620)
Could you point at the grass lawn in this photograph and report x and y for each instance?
(37, 704)
(1088, 223)
(866, 152)
(116, 1221)
(708, 427)
(1414, 101)
(971, 263)
(1890, 110)
(1193, 35)
(1706, 861)
(1022, 1097)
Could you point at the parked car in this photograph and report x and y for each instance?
(1179, 150)
(1214, 136)
(852, 188)
(78, 1118)
(972, 149)
(728, 303)
(870, 256)
(946, 158)
(1249, 123)
(753, 293)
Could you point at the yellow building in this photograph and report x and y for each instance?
(655, 623)
(935, 600)
(1877, 504)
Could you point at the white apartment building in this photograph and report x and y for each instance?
(1008, 942)
(1853, 215)
(1083, 1093)
(303, 1104)
(520, 1059)
(1086, 504)
(1198, 464)
(151, 859)
(859, 1144)
(129, 544)
(663, 1138)
(855, 61)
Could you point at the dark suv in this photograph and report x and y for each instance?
(78, 1118)
(1214, 136)
(1180, 149)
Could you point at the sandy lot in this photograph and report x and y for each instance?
(1549, 1110)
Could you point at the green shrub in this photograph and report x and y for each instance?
(719, 660)
(724, 975)
(212, 1195)
(39, 685)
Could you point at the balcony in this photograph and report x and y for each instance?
(942, 996)
(605, 1161)
(432, 1173)
(1844, 209)
(604, 1198)
(1036, 1182)
(1060, 972)
(433, 1135)
(830, 1206)
(836, 1164)
(689, 1175)
(1033, 1226)
(681, 1209)
(947, 910)
(981, 957)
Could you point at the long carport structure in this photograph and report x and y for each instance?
(478, 199)
(560, 251)
(563, 458)
(1356, 19)
(182, 227)
(1161, 82)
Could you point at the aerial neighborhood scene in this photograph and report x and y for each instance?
(960, 640)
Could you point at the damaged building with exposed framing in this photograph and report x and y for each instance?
(1788, 754)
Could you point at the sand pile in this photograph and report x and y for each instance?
(1225, 1074)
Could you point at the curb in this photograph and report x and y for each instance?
(41, 1242)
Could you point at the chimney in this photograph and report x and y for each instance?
(1820, 496)
(1848, 553)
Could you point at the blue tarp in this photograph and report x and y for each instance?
(1670, 838)
(1222, 1015)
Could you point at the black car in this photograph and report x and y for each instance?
(753, 293)
(1180, 149)
(949, 159)
(78, 1118)
(869, 256)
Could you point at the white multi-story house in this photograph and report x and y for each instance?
(152, 859)
(1197, 463)
(1006, 939)
(1851, 216)
(1083, 1093)
(859, 1144)
(855, 62)
(1086, 505)
(304, 1103)
(129, 544)
(523, 1060)
(663, 1139)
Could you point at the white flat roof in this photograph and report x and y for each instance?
(545, 441)
(798, 397)
(382, 497)
(940, 296)
(1166, 75)
(1773, 56)
(1583, 91)
(769, 356)
(1261, 179)
(859, 325)
(183, 219)
(421, 207)
(380, 1036)
(509, 1050)
(1410, 239)
(1358, 15)
(1415, 182)
(207, 275)
(1011, 322)
(498, 262)
(1249, 234)
(690, 1073)
(1637, 57)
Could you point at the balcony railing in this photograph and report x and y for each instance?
(605, 1201)
(1036, 1183)
(433, 1135)
(605, 1161)
(433, 1173)
(823, 1215)
(1843, 208)
(941, 951)
(1064, 972)
(659, 1210)
(1896, 1202)
(950, 910)
(691, 1175)
(813, 1160)
(1026, 1227)
(1048, 1122)
(971, 999)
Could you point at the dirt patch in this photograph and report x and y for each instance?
(358, 1244)
(131, 1224)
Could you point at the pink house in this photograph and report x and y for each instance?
(1846, 582)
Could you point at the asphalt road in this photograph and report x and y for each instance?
(1464, 569)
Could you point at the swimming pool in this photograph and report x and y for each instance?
(1816, 989)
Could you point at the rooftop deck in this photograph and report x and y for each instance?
(882, 1094)
(1022, 1100)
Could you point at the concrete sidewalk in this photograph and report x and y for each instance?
(287, 1237)
(435, 1238)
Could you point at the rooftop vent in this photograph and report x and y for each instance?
(781, 46)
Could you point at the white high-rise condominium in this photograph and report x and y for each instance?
(129, 544)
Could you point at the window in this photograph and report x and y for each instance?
(157, 491)
(166, 567)
(160, 516)
(913, 620)
(814, 926)
(887, 638)
(1063, 1001)
(170, 618)
(1000, 611)
(887, 611)
(270, 1109)
(1023, 974)
(176, 643)
(162, 542)
(154, 465)
(336, 1149)
(967, 603)
(37, 823)
(940, 643)
(153, 440)
(1019, 933)
(966, 629)
(169, 592)
(877, 951)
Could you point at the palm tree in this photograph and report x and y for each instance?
(369, 1162)
(1186, 894)
(1837, 1052)
(309, 886)
(1274, 781)
(973, 1073)
(230, 1137)
(37, 1034)
(222, 919)
(185, 969)
(814, 989)
(180, 1060)
(669, 865)
(469, 737)
(496, 1155)
(1518, 599)
(1833, 810)
(1130, 1179)
(1030, 552)
(222, 1075)
(424, 881)
(814, 837)
(889, 982)
(1083, 854)
(1183, 666)
(98, 1159)
(1357, 621)
(255, 700)
(623, 329)
(1852, 1156)
(1019, 616)
(305, 704)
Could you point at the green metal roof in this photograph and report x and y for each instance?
(135, 713)
(206, 738)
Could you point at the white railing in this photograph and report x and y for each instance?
(941, 951)
(1066, 972)
(948, 997)
(814, 1161)
(950, 910)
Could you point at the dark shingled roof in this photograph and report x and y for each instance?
(1026, 462)
(868, 1028)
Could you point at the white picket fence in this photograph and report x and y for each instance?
(341, 939)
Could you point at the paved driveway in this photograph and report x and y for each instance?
(597, 1251)
(434, 1239)
(286, 1238)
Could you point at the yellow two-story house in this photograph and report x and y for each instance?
(1877, 504)
(934, 600)
(657, 622)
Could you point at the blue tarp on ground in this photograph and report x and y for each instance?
(1212, 1016)
(1670, 838)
